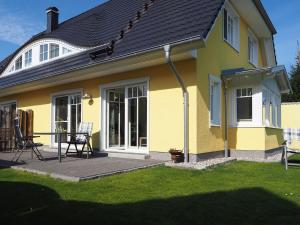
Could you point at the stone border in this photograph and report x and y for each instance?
(207, 164)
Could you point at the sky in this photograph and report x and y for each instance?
(21, 19)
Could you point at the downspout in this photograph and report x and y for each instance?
(169, 61)
(226, 119)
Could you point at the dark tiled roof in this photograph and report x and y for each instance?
(166, 21)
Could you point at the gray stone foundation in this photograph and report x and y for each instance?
(255, 154)
(165, 156)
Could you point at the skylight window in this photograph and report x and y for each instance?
(28, 58)
(19, 62)
(54, 50)
(43, 52)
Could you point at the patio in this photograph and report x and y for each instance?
(74, 168)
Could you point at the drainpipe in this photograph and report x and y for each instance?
(169, 61)
(226, 119)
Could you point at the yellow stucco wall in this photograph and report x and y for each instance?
(290, 119)
(254, 139)
(165, 105)
(247, 139)
(274, 138)
(217, 56)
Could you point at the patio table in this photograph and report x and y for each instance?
(59, 135)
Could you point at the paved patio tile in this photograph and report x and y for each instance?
(74, 168)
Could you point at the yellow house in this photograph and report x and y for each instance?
(153, 75)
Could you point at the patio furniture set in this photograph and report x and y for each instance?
(81, 137)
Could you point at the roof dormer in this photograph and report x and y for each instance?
(40, 52)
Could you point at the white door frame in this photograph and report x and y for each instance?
(103, 115)
(52, 122)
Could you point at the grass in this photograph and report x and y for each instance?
(241, 193)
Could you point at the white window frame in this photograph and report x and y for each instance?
(234, 42)
(236, 102)
(215, 81)
(53, 96)
(271, 96)
(53, 51)
(253, 52)
(28, 58)
(43, 52)
(103, 116)
(19, 61)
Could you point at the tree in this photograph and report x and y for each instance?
(295, 82)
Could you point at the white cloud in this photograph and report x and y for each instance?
(16, 28)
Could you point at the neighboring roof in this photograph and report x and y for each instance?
(279, 73)
(165, 22)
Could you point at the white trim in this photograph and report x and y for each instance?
(52, 111)
(215, 79)
(103, 110)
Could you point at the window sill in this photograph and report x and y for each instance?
(215, 125)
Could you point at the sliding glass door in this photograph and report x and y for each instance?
(137, 116)
(67, 114)
(116, 118)
(126, 117)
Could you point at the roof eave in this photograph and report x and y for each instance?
(265, 16)
(278, 72)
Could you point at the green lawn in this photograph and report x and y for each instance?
(241, 193)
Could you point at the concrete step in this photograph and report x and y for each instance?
(126, 155)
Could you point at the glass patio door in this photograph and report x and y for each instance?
(116, 118)
(67, 114)
(126, 118)
(137, 116)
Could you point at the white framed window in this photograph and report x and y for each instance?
(28, 58)
(66, 50)
(272, 106)
(252, 49)
(54, 51)
(244, 104)
(44, 52)
(19, 63)
(215, 100)
(231, 27)
(12, 68)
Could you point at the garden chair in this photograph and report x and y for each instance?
(82, 138)
(290, 135)
(25, 142)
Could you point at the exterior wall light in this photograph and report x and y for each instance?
(88, 96)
